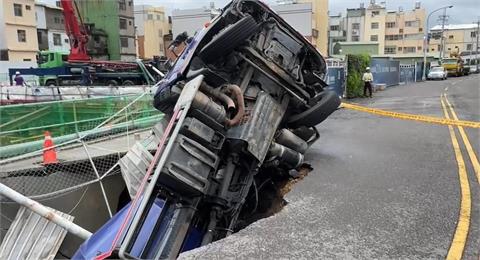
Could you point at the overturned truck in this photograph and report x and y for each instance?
(242, 102)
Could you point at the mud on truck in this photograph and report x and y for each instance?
(241, 103)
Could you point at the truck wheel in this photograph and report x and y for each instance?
(112, 83)
(51, 83)
(128, 83)
(328, 103)
(228, 39)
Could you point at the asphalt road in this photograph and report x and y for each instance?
(381, 187)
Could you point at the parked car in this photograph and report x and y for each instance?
(437, 73)
(242, 103)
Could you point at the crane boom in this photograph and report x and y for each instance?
(76, 32)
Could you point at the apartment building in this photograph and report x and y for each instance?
(18, 33)
(116, 19)
(336, 31)
(299, 16)
(319, 24)
(396, 32)
(458, 38)
(355, 24)
(374, 31)
(51, 28)
(404, 31)
(152, 25)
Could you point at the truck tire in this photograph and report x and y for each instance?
(51, 83)
(112, 83)
(128, 83)
(328, 103)
(228, 39)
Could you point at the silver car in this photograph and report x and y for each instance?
(437, 73)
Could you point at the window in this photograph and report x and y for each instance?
(450, 37)
(27, 7)
(160, 33)
(123, 23)
(39, 37)
(394, 37)
(161, 47)
(17, 9)
(420, 29)
(374, 25)
(355, 26)
(411, 23)
(130, 22)
(159, 17)
(22, 36)
(473, 34)
(58, 4)
(419, 48)
(355, 38)
(124, 42)
(390, 25)
(399, 48)
(150, 17)
(374, 38)
(57, 39)
(409, 50)
(335, 28)
(122, 5)
(390, 50)
(3, 54)
(375, 13)
(27, 59)
(129, 3)
(66, 40)
(56, 19)
(400, 31)
(469, 47)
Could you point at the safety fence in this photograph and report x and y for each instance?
(90, 136)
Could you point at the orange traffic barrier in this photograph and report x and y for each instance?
(49, 153)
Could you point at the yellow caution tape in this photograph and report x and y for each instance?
(413, 117)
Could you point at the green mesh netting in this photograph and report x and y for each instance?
(28, 122)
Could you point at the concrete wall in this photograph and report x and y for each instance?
(64, 41)
(299, 16)
(3, 41)
(189, 21)
(40, 17)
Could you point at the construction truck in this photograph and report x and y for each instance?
(78, 68)
(455, 66)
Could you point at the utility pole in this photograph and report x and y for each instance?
(476, 49)
(443, 18)
(426, 40)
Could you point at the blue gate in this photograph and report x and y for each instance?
(336, 79)
(385, 72)
(407, 74)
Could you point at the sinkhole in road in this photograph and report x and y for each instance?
(267, 199)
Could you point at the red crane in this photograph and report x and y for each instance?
(76, 31)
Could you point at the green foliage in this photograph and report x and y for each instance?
(357, 65)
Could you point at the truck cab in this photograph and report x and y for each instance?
(52, 59)
(454, 66)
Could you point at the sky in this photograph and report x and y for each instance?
(464, 11)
